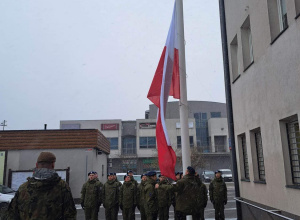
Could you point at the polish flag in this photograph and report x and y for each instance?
(166, 82)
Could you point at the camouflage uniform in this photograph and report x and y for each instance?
(141, 199)
(127, 200)
(110, 196)
(164, 197)
(201, 200)
(218, 196)
(91, 198)
(43, 198)
(151, 206)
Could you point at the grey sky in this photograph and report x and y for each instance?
(95, 59)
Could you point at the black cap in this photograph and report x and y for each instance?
(143, 175)
(151, 173)
(129, 171)
(191, 170)
(218, 171)
(110, 174)
(114, 174)
(92, 172)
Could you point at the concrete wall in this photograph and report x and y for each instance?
(218, 127)
(79, 160)
(267, 92)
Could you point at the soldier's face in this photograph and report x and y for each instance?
(127, 179)
(218, 175)
(111, 177)
(91, 176)
(162, 178)
(130, 174)
(178, 176)
(144, 178)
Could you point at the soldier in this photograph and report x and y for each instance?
(141, 197)
(130, 173)
(186, 196)
(127, 198)
(218, 195)
(201, 199)
(151, 206)
(43, 196)
(164, 197)
(91, 197)
(110, 197)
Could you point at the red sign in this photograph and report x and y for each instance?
(109, 126)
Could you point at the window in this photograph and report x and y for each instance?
(294, 149)
(297, 6)
(147, 142)
(234, 59)
(260, 155)
(215, 114)
(129, 145)
(247, 47)
(277, 17)
(201, 130)
(179, 141)
(220, 143)
(114, 143)
(244, 156)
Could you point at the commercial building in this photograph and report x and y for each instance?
(133, 143)
(263, 40)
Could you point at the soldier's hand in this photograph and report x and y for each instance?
(156, 186)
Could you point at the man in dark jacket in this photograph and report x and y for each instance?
(43, 196)
(151, 206)
(164, 197)
(201, 200)
(110, 197)
(127, 198)
(141, 197)
(91, 197)
(218, 195)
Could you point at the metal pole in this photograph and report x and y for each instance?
(229, 104)
(183, 104)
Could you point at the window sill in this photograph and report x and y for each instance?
(293, 186)
(260, 182)
(236, 78)
(279, 35)
(298, 15)
(248, 66)
(245, 180)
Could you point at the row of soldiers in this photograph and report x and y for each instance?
(152, 197)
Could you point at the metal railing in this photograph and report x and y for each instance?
(272, 212)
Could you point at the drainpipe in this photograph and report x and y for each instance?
(229, 105)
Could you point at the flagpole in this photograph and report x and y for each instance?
(183, 104)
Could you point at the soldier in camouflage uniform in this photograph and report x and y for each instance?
(110, 197)
(201, 199)
(91, 197)
(127, 198)
(164, 197)
(44, 196)
(130, 173)
(141, 196)
(218, 195)
(151, 206)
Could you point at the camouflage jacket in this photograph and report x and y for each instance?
(43, 199)
(218, 190)
(201, 199)
(141, 193)
(127, 196)
(110, 193)
(91, 195)
(150, 205)
(164, 195)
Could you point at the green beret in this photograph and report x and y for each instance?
(46, 157)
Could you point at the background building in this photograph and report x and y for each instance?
(133, 143)
(264, 50)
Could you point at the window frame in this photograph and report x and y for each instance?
(148, 146)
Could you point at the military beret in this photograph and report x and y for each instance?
(129, 171)
(111, 174)
(143, 175)
(151, 173)
(218, 171)
(46, 157)
(115, 174)
(125, 176)
(177, 173)
(92, 172)
(191, 170)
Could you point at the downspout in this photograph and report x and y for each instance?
(229, 105)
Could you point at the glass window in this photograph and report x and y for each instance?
(179, 141)
(215, 114)
(114, 143)
(260, 156)
(129, 145)
(147, 142)
(245, 157)
(282, 14)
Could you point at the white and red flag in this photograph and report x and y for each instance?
(166, 82)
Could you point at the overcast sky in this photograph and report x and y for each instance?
(95, 59)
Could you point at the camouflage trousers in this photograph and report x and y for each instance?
(91, 213)
(112, 213)
(219, 211)
(151, 215)
(143, 213)
(199, 215)
(128, 213)
(163, 213)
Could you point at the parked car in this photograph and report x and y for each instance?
(226, 174)
(120, 177)
(137, 178)
(208, 176)
(6, 195)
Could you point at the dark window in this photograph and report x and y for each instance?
(215, 114)
(129, 145)
(245, 157)
(201, 130)
(179, 141)
(260, 156)
(294, 149)
(114, 143)
(147, 142)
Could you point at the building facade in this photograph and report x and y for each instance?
(133, 143)
(263, 39)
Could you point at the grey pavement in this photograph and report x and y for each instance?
(230, 209)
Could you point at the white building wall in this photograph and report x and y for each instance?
(218, 127)
(267, 92)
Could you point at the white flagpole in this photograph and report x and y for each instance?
(183, 104)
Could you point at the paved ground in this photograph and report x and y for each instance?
(230, 209)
